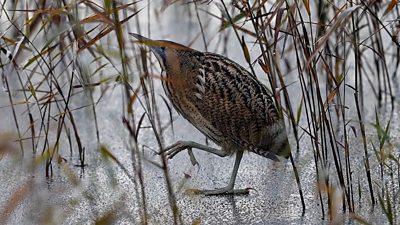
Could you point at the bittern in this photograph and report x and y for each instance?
(223, 101)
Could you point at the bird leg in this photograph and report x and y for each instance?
(228, 190)
(179, 146)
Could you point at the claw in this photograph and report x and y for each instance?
(193, 159)
(174, 149)
(168, 148)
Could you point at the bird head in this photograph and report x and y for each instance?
(163, 50)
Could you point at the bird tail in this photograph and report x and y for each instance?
(284, 151)
(274, 142)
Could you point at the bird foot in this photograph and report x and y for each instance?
(174, 149)
(179, 146)
(220, 191)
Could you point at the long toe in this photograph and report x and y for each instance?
(220, 191)
(193, 159)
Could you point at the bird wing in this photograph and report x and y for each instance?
(232, 101)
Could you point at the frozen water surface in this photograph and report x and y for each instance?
(81, 196)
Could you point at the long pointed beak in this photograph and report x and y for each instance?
(155, 47)
(140, 38)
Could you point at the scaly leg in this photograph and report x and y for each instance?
(174, 149)
(228, 190)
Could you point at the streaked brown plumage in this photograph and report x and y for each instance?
(222, 100)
